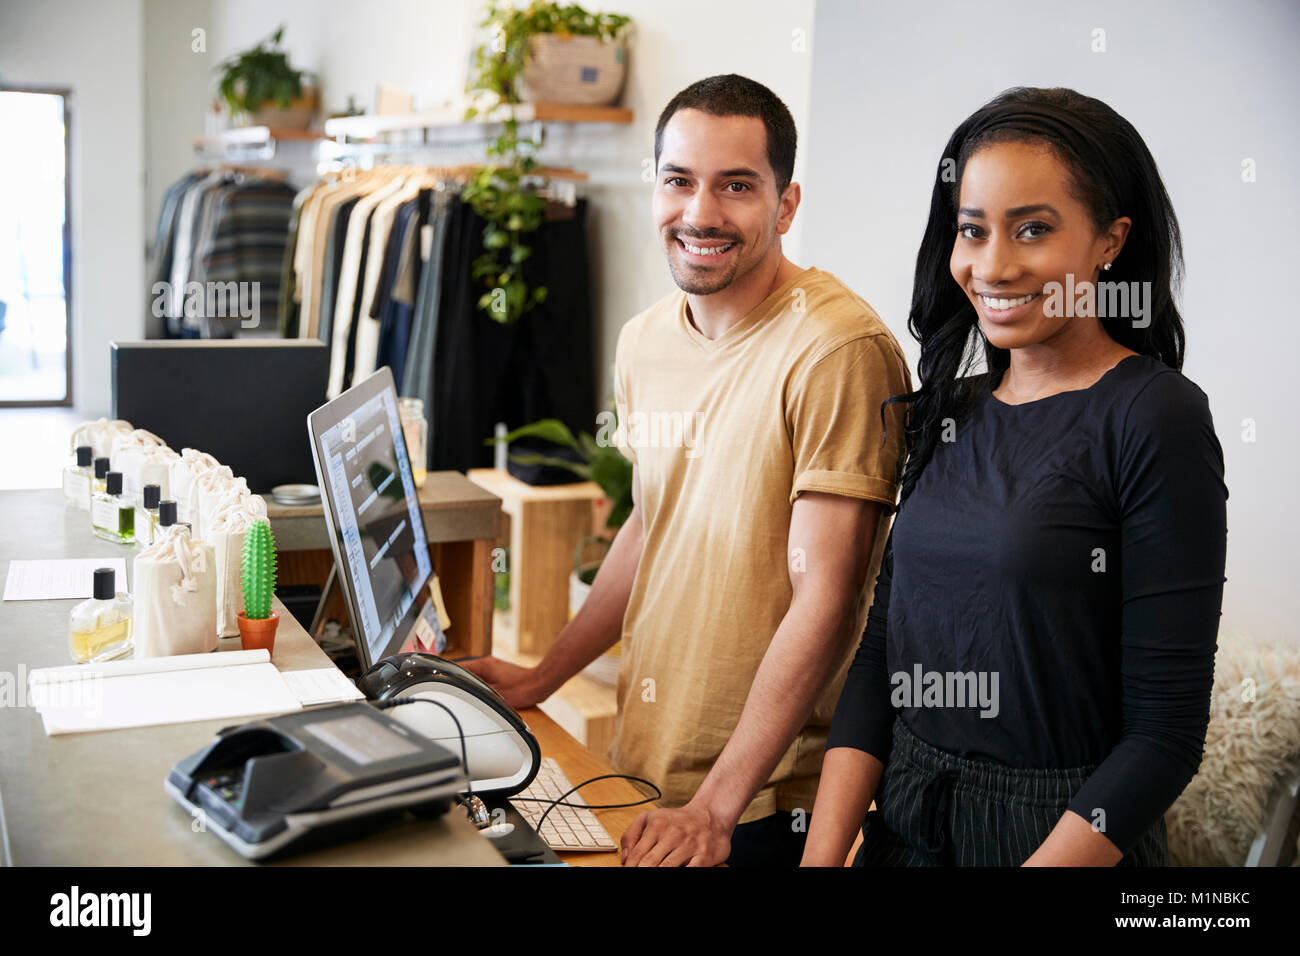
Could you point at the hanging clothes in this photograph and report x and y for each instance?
(219, 226)
(543, 366)
(160, 263)
(246, 245)
(394, 300)
(352, 264)
(382, 272)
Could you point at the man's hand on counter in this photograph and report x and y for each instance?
(520, 686)
(689, 836)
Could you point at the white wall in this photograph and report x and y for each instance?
(678, 42)
(1207, 85)
(95, 48)
(179, 83)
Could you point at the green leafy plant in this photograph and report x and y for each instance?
(258, 577)
(497, 193)
(260, 75)
(602, 463)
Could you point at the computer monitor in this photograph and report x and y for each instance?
(372, 509)
(241, 400)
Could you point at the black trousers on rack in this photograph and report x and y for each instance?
(540, 367)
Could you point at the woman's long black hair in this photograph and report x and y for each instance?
(1113, 174)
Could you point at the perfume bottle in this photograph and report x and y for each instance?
(111, 516)
(100, 629)
(166, 517)
(97, 483)
(77, 477)
(146, 516)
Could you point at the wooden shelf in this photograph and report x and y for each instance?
(546, 525)
(366, 127)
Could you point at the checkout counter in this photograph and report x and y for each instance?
(97, 799)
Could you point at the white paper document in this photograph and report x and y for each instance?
(159, 690)
(59, 578)
(324, 685)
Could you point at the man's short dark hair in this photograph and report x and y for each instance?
(733, 95)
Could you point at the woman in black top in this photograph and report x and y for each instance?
(1033, 684)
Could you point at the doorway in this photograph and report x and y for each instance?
(35, 249)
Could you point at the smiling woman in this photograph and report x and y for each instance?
(1061, 532)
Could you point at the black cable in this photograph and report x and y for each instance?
(559, 801)
(464, 753)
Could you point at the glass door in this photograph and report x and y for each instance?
(35, 251)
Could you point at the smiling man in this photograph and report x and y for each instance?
(739, 583)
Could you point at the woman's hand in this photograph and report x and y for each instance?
(848, 783)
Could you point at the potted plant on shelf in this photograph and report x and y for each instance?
(260, 87)
(599, 462)
(257, 621)
(553, 53)
(546, 51)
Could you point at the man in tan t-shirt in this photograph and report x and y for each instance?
(749, 403)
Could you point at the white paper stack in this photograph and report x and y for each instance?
(324, 685)
(159, 690)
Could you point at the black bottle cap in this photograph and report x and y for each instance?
(167, 513)
(101, 467)
(152, 494)
(105, 586)
(114, 479)
(84, 456)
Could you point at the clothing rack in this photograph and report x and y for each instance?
(557, 183)
(240, 169)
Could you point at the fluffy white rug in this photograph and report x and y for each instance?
(1253, 738)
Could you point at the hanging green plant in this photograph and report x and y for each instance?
(497, 193)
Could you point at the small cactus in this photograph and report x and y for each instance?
(258, 577)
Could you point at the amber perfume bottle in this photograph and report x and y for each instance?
(100, 629)
(101, 470)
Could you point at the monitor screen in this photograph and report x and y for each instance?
(373, 509)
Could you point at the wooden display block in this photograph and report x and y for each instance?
(546, 524)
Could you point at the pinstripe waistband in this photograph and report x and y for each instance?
(1050, 786)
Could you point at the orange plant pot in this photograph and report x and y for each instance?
(254, 634)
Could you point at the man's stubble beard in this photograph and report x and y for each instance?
(696, 283)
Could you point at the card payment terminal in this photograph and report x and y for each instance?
(312, 776)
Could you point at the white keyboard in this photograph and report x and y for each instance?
(566, 828)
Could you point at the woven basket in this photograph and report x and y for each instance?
(299, 114)
(577, 70)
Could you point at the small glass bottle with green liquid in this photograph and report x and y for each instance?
(100, 629)
(112, 517)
